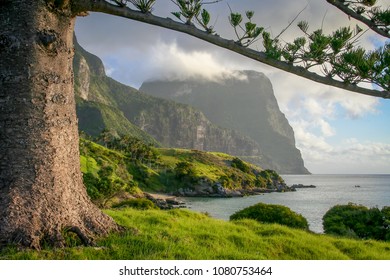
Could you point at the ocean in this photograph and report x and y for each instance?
(373, 191)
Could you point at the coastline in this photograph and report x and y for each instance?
(312, 203)
(174, 200)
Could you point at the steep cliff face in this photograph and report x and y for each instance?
(246, 105)
(96, 109)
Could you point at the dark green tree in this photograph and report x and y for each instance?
(357, 221)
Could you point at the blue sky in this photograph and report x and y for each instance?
(336, 131)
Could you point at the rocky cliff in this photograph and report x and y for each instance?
(96, 108)
(245, 103)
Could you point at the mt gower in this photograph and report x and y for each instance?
(245, 103)
(236, 116)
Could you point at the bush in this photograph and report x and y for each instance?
(269, 213)
(137, 203)
(268, 178)
(91, 183)
(357, 221)
(239, 164)
(226, 182)
(386, 221)
(185, 173)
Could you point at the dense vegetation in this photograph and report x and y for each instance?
(122, 166)
(358, 221)
(181, 235)
(272, 214)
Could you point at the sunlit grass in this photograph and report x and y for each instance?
(185, 235)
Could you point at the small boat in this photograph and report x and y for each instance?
(357, 186)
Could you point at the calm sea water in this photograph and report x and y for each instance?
(374, 191)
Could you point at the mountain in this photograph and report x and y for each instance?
(245, 103)
(97, 110)
(103, 103)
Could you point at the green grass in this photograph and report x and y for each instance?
(89, 164)
(185, 235)
(210, 165)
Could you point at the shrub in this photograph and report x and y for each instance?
(268, 178)
(261, 182)
(186, 174)
(137, 203)
(356, 221)
(91, 183)
(226, 182)
(386, 221)
(269, 213)
(239, 164)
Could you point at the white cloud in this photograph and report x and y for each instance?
(198, 64)
(326, 128)
(355, 157)
(348, 156)
(356, 105)
(311, 143)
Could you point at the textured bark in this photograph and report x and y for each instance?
(41, 189)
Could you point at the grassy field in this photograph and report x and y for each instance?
(186, 235)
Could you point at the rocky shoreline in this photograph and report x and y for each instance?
(164, 201)
(226, 193)
(172, 200)
(301, 186)
(206, 189)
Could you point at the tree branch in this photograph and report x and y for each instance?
(344, 8)
(104, 7)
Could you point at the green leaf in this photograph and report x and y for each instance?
(235, 19)
(257, 32)
(249, 26)
(369, 3)
(300, 42)
(340, 38)
(249, 14)
(358, 29)
(205, 17)
(271, 46)
(303, 25)
(177, 14)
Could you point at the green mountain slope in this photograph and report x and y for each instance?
(96, 109)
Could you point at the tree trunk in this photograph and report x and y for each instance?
(41, 189)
